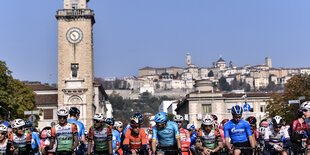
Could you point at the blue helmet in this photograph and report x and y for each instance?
(110, 121)
(236, 110)
(190, 127)
(161, 117)
(28, 124)
(137, 118)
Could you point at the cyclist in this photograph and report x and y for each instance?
(185, 137)
(65, 133)
(252, 122)
(167, 134)
(208, 140)
(4, 149)
(192, 130)
(101, 134)
(118, 126)
(116, 139)
(20, 140)
(274, 136)
(35, 141)
(74, 116)
(263, 125)
(216, 123)
(239, 131)
(135, 141)
(298, 129)
(224, 121)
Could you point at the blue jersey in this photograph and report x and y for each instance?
(166, 136)
(116, 139)
(193, 138)
(237, 132)
(80, 126)
(35, 141)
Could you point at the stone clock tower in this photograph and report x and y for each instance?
(75, 58)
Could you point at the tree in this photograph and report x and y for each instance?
(210, 74)
(298, 85)
(223, 84)
(15, 96)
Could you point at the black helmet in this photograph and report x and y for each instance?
(110, 121)
(137, 118)
(28, 124)
(251, 120)
(73, 111)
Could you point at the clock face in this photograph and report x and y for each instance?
(74, 35)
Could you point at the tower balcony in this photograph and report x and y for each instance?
(72, 14)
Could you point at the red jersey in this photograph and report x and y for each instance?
(297, 131)
(135, 141)
(185, 139)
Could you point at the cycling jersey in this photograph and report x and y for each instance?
(135, 141)
(193, 141)
(100, 138)
(297, 131)
(209, 140)
(35, 141)
(273, 138)
(64, 136)
(185, 139)
(166, 136)
(3, 147)
(116, 138)
(80, 127)
(237, 132)
(20, 142)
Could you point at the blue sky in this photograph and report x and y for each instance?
(131, 34)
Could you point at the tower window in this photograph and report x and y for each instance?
(74, 6)
(74, 69)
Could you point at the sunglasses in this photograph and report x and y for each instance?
(178, 121)
(120, 127)
(159, 124)
(134, 126)
(62, 117)
(237, 116)
(97, 121)
(278, 127)
(21, 128)
(3, 133)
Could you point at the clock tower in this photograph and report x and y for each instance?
(75, 58)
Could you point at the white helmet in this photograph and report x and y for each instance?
(177, 118)
(262, 130)
(118, 124)
(17, 123)
(99, 117)
(63, 111)
(277, 120)
(86, 132)
(48, 133)
(208, 120)
(305, 105)
(3, 128)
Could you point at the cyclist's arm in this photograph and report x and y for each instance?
(52, 140)
(250, 135)
(75, 136)
(90, 139)
(83, 139)
(109, 137)
(219, 141)
(143, 139)
(287, 139)
(266, 138)
(226, 135)
(126, 140)
(154, 139)
(177, 135)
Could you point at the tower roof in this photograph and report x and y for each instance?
(221, 60)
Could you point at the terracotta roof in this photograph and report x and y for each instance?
(37, 87)
(147, 67)
(46, 99)
(248, 95)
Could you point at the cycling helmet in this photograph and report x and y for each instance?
(178, 118)
(3, 128)
(118, 124)
(99, 117)
(28, 124)
(208, 120)
(110, 121)
(190, 127)
(264, 124)
(224, 121)
(277, 120)
(251, 120)
(63, 111)
(305, 105)
(86, 132)
(214, 117)
(236, 110)
(73, 111)
(161, 117)
(49, 133)
(301, 111)
(150, 129)
(137, 118)
(17, 123)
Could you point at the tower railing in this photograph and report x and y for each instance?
(75, 14)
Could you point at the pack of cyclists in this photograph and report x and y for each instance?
(108, 137)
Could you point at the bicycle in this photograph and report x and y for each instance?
(245, 148)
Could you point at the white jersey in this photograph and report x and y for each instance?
(276, 138)
(3, 147)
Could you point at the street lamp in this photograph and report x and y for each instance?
(5, 110)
